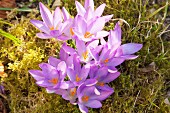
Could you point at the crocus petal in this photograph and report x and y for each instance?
(89, 14)
(53, 61)
(129, 57)
(85, 71)
(63, 37)
(83, 108)
(89, 3)
(43, 36)
(40, 25)
(71, 74)
(93, 104)
(68, 49)
(66, 85)
(46, 15)
(102, 34)
(115, 62)
(98, 12)
(81, 47)
(57, 17)
(130, 48)
(62, 67)
(60, 91)
(110, 77)
(107, 18)
(80, 8)
(96, 26)
(37, 74)
(90, 82)
(66, 15)
(115, 36)
(92, 44)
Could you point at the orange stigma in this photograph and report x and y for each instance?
(87, 35)
(71, 31)
(73, 92)
(77, 78)
(85, 55)
(85, 98)
(100, 84)
(106, 60)
(54, 81)
(52, 28)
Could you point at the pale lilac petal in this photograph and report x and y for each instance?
(89, 3)
(101, 34)
(93, 104)
(80, 8)
(57, 17)
(44, 36)
(85, 71)
(129, 57)
(71, 74)
(60, 91)
(102, 41)
(96, 26)
(83, 108)
(68, 49)
(37, 74)
(115, 62)
(47, 68)
(62, 67)
(110, 77)
(63, 37)
(130, 48)
(66, 85)
(46, 15)
(81, 47)
(114, 37)
(99, 10)
(107, 17)
(40, 25)
(89, 14)
(92, 44)
(94, 54)
(54, 61)
(66, 15)
(90, 82)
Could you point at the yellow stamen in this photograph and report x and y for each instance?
(85, 55)
(73, 92)
(71, 31)
(106, 60)
(100, 84)
(77, 78)
(52, 28)
(85, 98)
(54, 80)
(87, 35)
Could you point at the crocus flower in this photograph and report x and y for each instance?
(121, 51)
(52, 25)
(88, 31)
(87, 98)
(52, 78)
(78, 74)
(88, 11)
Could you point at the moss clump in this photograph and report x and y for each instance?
(140, 88)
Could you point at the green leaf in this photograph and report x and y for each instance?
(10, 36)
(17, 9)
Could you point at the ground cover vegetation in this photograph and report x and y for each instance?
(142, 86)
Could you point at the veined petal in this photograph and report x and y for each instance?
(66, 15)
(110, 77)
(57, 17)
(44, 36)
(37, 74)
(80, 9)
(130, 48)
(85, 71)
(71, 74)
(62, 67)
(46, 15)
(96, 26)
(89, 14)
(83, 108)
(40, 25)
(102, 34)
(115, 62)
(81, 47)
(93, 104)
(98, 12)
(107, 17)
(53, 61)
(89, 3)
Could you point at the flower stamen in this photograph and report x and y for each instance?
(53, 81)
(85, 98)
(85, 55)
(87, 35)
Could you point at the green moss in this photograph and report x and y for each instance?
(135, 90)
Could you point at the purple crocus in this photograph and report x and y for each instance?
(51, 77)
(88, 31)
(52, 25)
(78, 74)
(88, 11)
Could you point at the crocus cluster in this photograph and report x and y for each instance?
(81, 74)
